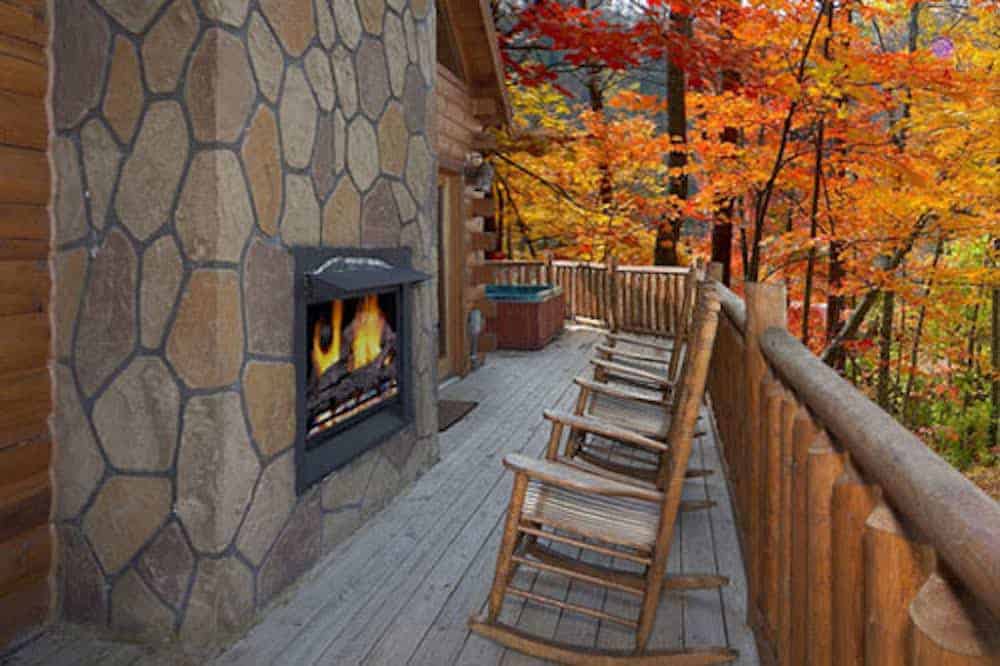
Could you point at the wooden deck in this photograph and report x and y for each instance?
(401, 589)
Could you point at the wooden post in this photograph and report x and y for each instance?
(770, 520)
(894, 574)
(654, 304)
(853, 502)
(945, 633)
(675, 291)
(577, 295)
(550, 272)
(715, 271)
(630, 287)
(804, 433)
(790, 413)
(823, 468)
(612, 291)
(766, 307)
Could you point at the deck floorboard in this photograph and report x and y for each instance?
(401, 589)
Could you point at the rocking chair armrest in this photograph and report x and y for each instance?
(615, 337)
(635, 373)
(615, 391)
(605, 429)
(633, 356)
(564, 476)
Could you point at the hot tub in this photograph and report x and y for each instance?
(528, 316)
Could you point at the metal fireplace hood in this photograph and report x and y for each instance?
(346, 275)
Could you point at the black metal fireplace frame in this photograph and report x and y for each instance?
(364, 431)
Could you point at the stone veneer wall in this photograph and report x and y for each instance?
(194, 142)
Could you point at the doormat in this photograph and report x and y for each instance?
(451, 412)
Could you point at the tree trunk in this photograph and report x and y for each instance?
(669, 233)
(722, 230)
(834, 300)
(882, 391)
(917, 335)
(722, 245)
(833, 354)
(995, 349)
(751, 270)
(816, 185)
(596, 93)
(813, 230)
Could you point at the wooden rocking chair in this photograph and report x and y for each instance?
(647, 413)
(654, 365)
(555, 502)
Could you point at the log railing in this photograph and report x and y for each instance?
(639, 299)
(862, 546)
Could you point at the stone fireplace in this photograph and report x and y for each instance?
(197, 145)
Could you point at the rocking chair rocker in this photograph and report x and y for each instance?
(556, 502)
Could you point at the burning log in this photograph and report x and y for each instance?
(339, 383)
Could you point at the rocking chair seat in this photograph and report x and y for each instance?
(646, 419)
(616, 520)
(583, 464)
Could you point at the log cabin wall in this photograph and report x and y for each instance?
(26, 540)
(457, 133)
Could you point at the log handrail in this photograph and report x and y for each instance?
(569, 263)
(851, 527)
(734, 307)
(654, 270)
(957, 518)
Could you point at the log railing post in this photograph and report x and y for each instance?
(715, 271)
(768, 513)
(823, 467)
(766, 307)
(791, 411)
(944, 633)
(804, 433)
(896, 568)
(853, 502)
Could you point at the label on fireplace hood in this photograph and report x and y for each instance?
(352, 274)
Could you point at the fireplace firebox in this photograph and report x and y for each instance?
(352, 353)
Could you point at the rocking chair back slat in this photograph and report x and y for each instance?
(680, 342)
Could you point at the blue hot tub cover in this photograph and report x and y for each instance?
(522, 293)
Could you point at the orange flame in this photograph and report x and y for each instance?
(325, 356)
(368, 324)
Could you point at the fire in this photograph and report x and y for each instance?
(368, 324)
(324, 356)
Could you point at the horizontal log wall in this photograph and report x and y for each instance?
(26, 539)
(637, 299)
(862, 546)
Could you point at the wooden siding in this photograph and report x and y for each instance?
(26, 541)
(455, 134)
(456, 125)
